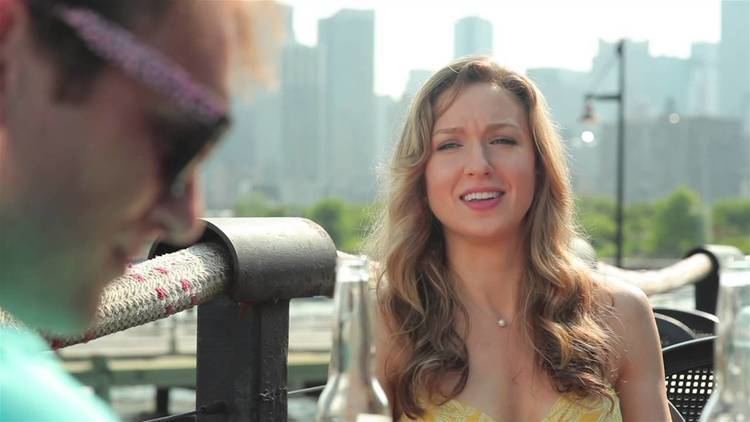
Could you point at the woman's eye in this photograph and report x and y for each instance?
(448, 145)
(508, 141)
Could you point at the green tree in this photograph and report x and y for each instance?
(347, 224)
(595, 215)
(677, 224)
(329, 213)
(257, 205)
(357, 221)
(637, 228)
(731, 223)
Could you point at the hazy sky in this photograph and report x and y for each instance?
(418, 34)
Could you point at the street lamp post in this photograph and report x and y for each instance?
(620, 176)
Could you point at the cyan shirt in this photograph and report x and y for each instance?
(34, 387)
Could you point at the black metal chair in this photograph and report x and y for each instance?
(672, 331)
(702, 323)
(674, 414)
(690, 375)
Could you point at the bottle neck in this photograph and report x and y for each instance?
(352, 345)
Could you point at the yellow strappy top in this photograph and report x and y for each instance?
(566, 408)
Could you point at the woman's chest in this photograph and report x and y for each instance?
(505, 381)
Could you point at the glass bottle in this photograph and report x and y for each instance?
(352, 393)
(730, 400)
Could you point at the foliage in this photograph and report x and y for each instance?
(638, 224)
(666, 228)
(677, 224)
(257, 205)
(329, 213)
(731, 222)
(347, 224)
(596, 218)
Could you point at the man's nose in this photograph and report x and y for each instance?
(176, 215)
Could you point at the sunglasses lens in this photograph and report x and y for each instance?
(188, 150)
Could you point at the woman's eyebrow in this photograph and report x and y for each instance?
(489, 127)
(448, 130)
(502, 125)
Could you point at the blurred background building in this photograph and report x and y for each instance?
(321, 131)
(473, 35)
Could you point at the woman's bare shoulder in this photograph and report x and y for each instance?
(629, 319)
(627, 300)
(638, 374)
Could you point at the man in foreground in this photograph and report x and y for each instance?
(107, 109)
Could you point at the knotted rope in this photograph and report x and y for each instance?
(153, 290)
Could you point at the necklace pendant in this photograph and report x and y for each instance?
(502, 323)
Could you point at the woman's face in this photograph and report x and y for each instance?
(480, 176)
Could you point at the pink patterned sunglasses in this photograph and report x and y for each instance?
(208, 116)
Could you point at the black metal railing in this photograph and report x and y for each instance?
(243, 308)
(243, 335)
(700, 267)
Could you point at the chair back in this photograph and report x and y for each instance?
(689, 370)
(672, 331)
(702, 323)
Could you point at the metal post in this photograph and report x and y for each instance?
(103, 377)
(243, 336)
(242, 360)
(227, 359)
(274, 347)
(619, 215)
(620, 159)
(162, 401)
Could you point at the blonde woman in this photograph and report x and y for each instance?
(486, 314)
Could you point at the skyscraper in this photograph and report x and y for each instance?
(734, 60)
(301, 85)
(387, 126)
(346, 41)
(472, 35)
(652, 83)
(703, 89)
(417, 78)
(665, 154)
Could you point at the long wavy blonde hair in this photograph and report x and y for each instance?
(564, 314)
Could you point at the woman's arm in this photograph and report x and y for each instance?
(640, 381)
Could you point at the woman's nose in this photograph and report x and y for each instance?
(477, 161)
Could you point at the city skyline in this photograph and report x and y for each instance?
(567, 36)
(323, 131)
